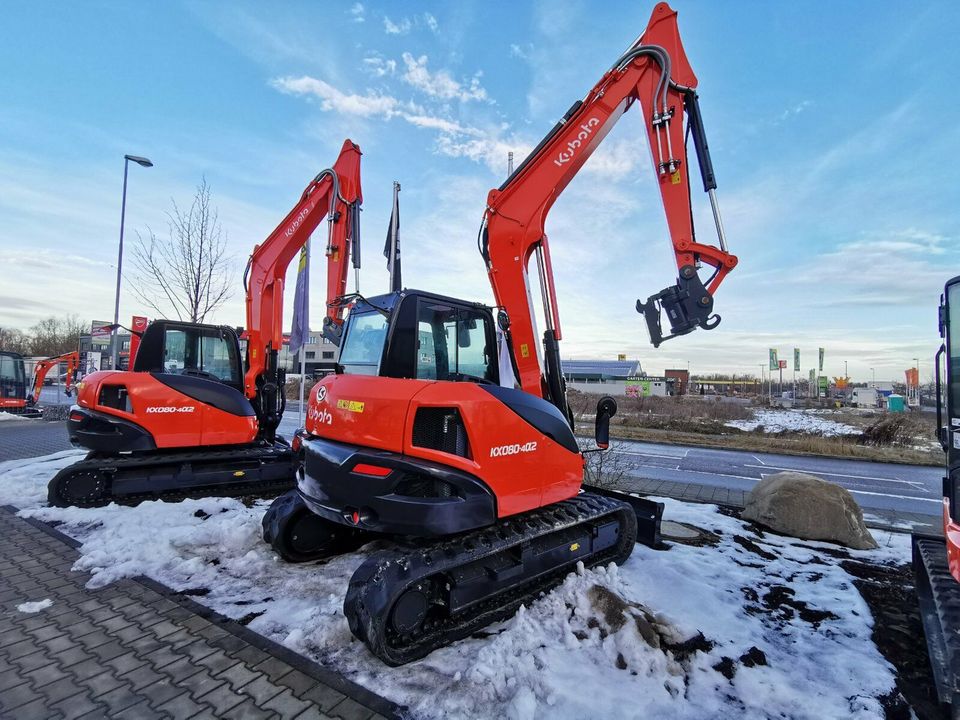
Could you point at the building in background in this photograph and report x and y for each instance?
(319, 356)
(681, 380)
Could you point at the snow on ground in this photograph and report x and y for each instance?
(786, 634)
(775, 421)
(35, 607)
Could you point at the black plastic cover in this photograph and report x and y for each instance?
(543, 415)
(209, 392)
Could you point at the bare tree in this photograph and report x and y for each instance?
(191, 275)
(14, 340)
(55, 336)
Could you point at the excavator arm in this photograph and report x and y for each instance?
(72, 359)
(333, 194)
(655, 74)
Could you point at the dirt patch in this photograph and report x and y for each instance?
(898, 633)
(752, 547)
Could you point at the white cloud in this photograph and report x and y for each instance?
(369, 105)
(520, 52)
(431, 22)
(378, 67)
(440, 84)
(358, 12)
(400, 28)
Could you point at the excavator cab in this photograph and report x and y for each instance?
(209, 352)
(948, 394)
(418, 335)
(936, 559)
(13, 382)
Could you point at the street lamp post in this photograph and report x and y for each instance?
(873, 375)
(115, 349)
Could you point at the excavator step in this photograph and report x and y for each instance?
(174, 475)
(405, 602)
(939, 597)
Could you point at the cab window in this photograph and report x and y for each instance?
(363, 344)
(452, 343)
(201, 352)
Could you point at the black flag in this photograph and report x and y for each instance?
(391, 249)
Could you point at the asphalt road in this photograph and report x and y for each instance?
(876, 486)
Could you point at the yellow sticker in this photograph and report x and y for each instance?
(350, 405)
(675, 178)
(574, 547)
(524, 350)
(239, 473)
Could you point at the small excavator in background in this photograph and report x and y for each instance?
(191, 418)
(422, 435)
(40, 370)
(936, 560)
(15, 395)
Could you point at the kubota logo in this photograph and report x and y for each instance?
(321, 393)
(297, 222)
(586, 130)
(321, 417)
(515, 449)
(170, 409)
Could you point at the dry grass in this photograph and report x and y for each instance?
(700, 421)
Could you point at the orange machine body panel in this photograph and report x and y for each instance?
(173, 419)
(523, 467)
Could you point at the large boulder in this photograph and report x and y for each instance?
(805, 506)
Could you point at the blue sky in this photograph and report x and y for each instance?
(833, 128)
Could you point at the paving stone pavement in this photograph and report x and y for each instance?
(28, 438)
(135, 649)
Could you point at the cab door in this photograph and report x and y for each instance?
(948, 399)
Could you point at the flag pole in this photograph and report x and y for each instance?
(303, 375)
(303, 340)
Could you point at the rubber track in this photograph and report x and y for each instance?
(133, 462)
(382, 578)
(939, 595)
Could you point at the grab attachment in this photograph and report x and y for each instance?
(688, 305)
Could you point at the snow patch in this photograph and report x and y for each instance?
(776, 421)
(35, 606)
(608, 642)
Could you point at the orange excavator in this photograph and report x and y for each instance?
(192, 418)
(422, 435)
(15, 397)
(40, 370)
(936, 559)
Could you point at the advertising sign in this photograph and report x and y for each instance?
(782, 365)
(100, 333)
(821, 359)
(138, 324)
(824, 385)
(796, 359)
(773, 359)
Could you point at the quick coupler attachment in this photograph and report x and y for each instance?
(688, 305)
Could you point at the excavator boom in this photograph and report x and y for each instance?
(72, 359)
(655, 75)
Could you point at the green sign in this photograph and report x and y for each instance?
(821, 359)
(774, 363)
(796, 359)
